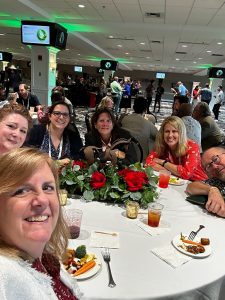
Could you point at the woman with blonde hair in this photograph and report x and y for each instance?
(175, 153)
(33, 234)
(106, 102)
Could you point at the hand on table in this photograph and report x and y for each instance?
(215, 203)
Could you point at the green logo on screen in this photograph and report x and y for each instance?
(41, 35)
(108, 65)
(219, 73)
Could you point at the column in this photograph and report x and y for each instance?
(43, 72)
(3, 65)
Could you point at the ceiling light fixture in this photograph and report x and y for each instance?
(177, 59)
(219, 43)
(111, 36)
(184, 46)
(142, 43)
(200, 58)
(208, 51)
(81, 5)
(194, 62)
(120, 46)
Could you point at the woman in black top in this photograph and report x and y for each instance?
(57, 138)
(108, 137)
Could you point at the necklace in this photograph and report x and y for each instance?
(49, 145)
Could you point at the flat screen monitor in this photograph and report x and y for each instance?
(108, 65)
(160, 75)
(5, 56)
(36, 35)
(78, 69)
(216, 72)
(100, 71)
(43, 34)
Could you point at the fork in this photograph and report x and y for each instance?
(193, 234)
(106, 257)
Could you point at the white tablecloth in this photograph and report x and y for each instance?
(138, 273)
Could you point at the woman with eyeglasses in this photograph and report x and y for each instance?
(175, 153)
(55, 138)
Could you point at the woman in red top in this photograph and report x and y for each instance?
(175, 153)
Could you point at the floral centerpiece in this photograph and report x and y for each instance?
(105, 182)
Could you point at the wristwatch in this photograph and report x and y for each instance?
(163, 164)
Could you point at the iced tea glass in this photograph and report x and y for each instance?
(154, 214)
(164, 178)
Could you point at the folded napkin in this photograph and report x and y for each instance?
(104, 238)
(171, 256)
(163, 227)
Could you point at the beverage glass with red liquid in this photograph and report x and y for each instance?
(164, 178)
(154, 214)
(73, 219)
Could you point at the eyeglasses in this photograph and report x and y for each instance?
(215, 160)
(59, 114)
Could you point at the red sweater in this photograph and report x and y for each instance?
(189, 166)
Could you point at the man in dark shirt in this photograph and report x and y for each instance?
(206, 94)
(27, 99)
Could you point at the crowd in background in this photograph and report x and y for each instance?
(188, 144)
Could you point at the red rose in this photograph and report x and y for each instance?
(79, 163)
(143, 175)
(124, 172)
(135, 181)
(98, 180)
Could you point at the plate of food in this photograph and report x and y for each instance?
(199, 248)
(81, 264)
(176, 181)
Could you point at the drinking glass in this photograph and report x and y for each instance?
(73, 219)
(164, 177)
(154, 213)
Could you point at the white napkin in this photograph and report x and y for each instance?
(102, 240)
(171, 256)
(163, 227)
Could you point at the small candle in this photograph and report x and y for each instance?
(132, 209)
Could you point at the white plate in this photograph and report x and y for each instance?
(176, 181)
(89, 273)
(177, 243)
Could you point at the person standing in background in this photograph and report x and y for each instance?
(206, 94)
(149, 93)
(116, 91)
(158, 96)
(218, 102)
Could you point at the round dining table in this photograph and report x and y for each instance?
(137, 272)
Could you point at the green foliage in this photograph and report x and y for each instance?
(104, 182)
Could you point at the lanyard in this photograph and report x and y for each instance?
(49, 146)
(28, 102)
